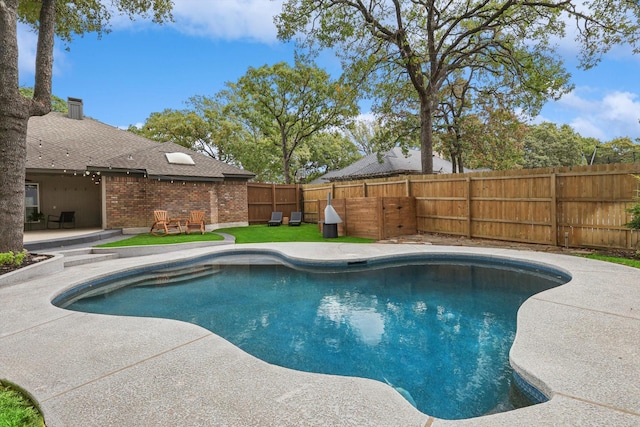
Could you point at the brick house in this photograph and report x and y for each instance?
(114, 179)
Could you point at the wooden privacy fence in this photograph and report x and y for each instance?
(373, 217)
(262, 199)
(584, 206)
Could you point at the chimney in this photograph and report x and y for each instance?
(75, 108)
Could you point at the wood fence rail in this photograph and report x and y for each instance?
(583, 206)
(263, 199)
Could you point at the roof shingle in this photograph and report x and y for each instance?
(394, 162)
(56, 142)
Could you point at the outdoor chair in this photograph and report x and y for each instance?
(68, 217)
(276, 219)
(296, 218)
(195, 222)
(164, 226)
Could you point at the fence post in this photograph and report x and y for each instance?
(273, 198)
(554, 209)
(382, 234)
(468, 179)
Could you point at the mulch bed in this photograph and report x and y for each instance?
(28, 260)
(451, 240)
(620, 253)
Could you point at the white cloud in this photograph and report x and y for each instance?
(27, 42)
(228, 19)
(27, 46)
(221, 19)
(605, 116)
(587, 128)
(574, 101)
(621, 106)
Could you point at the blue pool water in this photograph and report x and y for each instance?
(439, 333)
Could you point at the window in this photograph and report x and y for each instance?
(179, 159)
(32, 203)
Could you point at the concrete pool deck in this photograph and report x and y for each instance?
(578, 343)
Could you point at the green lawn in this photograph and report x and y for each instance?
(624, 261)
(284, 233)
(149, 239)
(251, 234)
(16, 410)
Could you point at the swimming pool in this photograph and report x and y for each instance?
(438, 328)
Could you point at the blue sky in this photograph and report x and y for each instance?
(141, 68)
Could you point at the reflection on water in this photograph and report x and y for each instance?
(440, 333)
(358, 314)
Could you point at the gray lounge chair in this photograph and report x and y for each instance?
(276, 219)
(296, 218)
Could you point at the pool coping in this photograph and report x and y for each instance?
(577, 344)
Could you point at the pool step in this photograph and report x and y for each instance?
(175, 276)
(83, 256)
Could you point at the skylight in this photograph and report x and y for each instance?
(179, 159)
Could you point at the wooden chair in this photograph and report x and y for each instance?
(164, 226)
(195, 222)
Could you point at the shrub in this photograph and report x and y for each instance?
(11, 258)
(635, 211)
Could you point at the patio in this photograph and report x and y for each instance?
(576, 343)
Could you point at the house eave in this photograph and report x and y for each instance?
(246, 176)
(185, 178)
(49, 171)
(117, 171)
(156, 176)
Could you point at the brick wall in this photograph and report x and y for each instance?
(126, 202)
(130, 200)
(232, 202)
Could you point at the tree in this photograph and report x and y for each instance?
(49, 18)
(228, 139)
(425, 41)
(291, 104)
(548, 145)
(479, 93)
(324, 152)
(496, 143)
(618, 150)
(184, 128)
(57, 104)
(365, 135)
(209, 126)
(634, 224)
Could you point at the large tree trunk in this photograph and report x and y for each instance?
(426, 135)
(13, 155)
(454, 159)
(286, 157)
(15, 111)
(287, 177)
(14, 115)
(458, 154)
